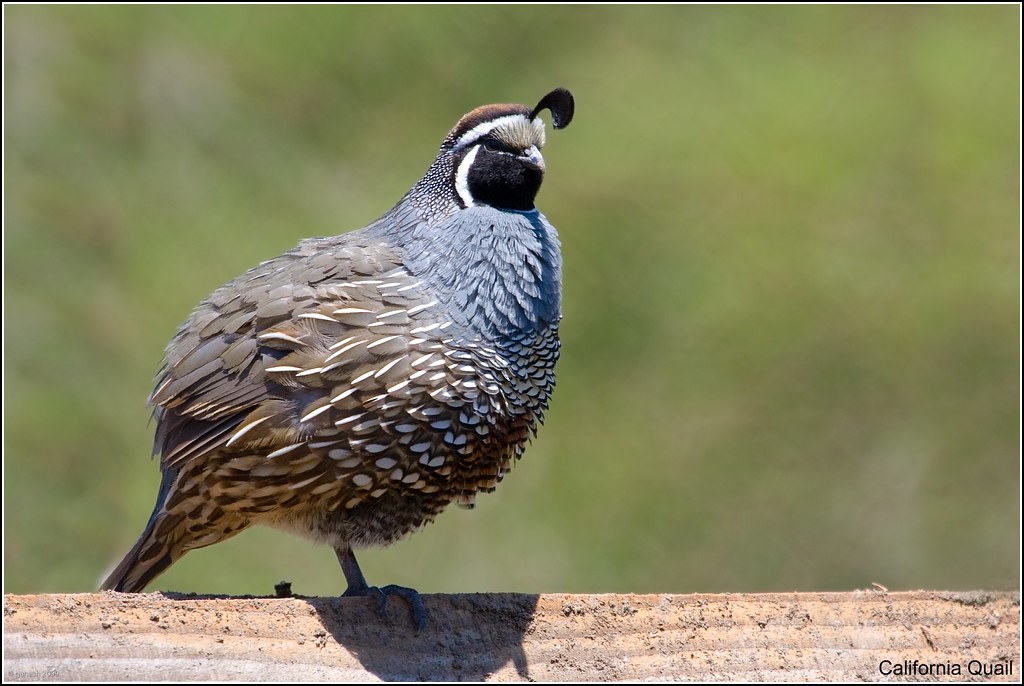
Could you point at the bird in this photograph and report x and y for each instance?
(353, 387)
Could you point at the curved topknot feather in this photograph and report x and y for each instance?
(561, 104)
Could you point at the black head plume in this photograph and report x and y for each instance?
(561, 104)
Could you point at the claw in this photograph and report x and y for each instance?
(419, 613)
(357, 587)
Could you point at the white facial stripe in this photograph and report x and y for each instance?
(481, 130)
(462, 177)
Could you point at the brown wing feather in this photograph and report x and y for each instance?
(276, 316)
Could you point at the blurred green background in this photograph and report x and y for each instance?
(791, 238)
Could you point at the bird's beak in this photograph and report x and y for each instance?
(532, 158)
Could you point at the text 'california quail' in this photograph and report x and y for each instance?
(351, 388)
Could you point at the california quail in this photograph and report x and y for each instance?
(351, 388)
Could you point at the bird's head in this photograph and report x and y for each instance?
(493, 157)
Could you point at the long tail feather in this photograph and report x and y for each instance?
(149, 557)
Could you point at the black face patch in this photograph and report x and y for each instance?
(500, 179)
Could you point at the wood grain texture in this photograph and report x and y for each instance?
(515, 637)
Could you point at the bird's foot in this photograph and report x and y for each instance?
(419, 613)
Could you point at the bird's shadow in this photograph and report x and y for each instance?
(468, 636)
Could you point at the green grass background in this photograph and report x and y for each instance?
(791, 240)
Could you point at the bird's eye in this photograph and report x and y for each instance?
(492, 144)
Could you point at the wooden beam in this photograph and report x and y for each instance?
(863, 635)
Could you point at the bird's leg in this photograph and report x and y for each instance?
(357, 586)
(353, 575)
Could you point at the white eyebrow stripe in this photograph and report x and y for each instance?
(481, 130)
